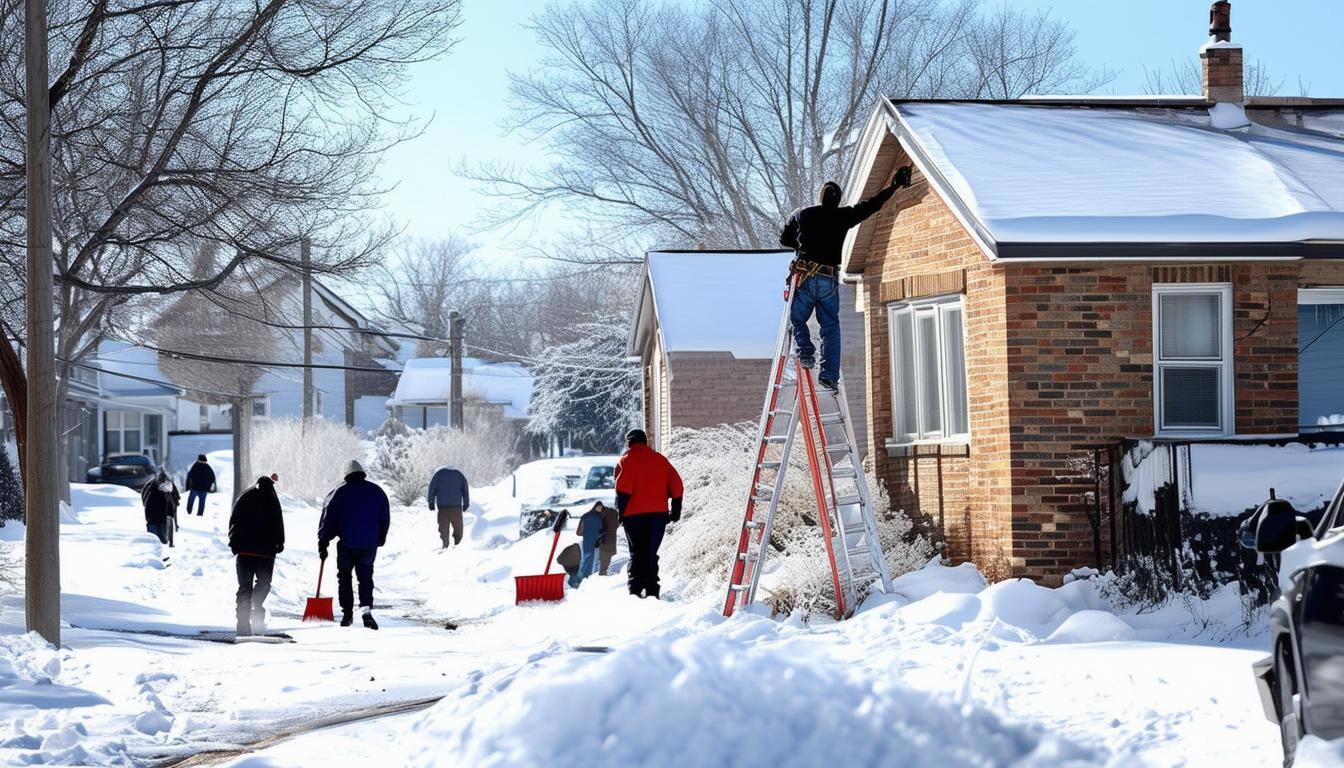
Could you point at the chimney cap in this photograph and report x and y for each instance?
(1220, 21)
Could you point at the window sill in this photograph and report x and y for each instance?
(952, 446)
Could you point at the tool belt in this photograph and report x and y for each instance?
(809, 269)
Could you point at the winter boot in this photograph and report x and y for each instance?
(830, 385)
(368, 619)
(347, 619)
(807, 361)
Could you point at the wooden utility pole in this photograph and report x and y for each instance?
(42, 585)
(241, 424)
(306, 255)
(455, 324)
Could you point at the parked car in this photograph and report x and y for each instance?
(129, 469)
(574, 486)
(1301, 682)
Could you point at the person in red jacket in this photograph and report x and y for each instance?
(645, 483)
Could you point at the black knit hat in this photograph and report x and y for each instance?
(636, 436)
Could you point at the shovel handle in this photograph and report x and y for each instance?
(322, 564)
(551, 556)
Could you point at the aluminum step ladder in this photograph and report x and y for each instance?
(795, 406)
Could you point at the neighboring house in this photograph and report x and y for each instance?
(137, 405)
(1068, 273)
(424, 391)
(705, 330)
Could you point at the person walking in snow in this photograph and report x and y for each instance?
(160, 498)
(357, 513)
(611, 520)
(817, 235)
(451, 495)
(645, 482)
(200, 483)
(591, 530)
(256, 536)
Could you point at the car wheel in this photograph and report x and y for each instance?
(1290, 729)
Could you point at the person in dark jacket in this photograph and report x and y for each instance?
(200, 483)
(161, 498)
(645, 482)
(256, 536)
(817, 234)
(591, 530)
(451, 495)
(357, 513)
(611, 520)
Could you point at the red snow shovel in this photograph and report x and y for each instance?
(319, 607)
(546, 586)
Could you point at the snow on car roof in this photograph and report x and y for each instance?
(719, 301)
(427, 381)
(1042, 174)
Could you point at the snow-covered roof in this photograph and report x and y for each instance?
(118, 362)
(1037, 174)
(427, 381)
(713, 301)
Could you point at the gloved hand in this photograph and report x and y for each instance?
(676, 510)
(279, 548)
(322, 550)
(902, 177)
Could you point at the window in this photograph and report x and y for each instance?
(928, 370)
(121, 432)
(601, 479)
(1320, 359)
(1192, 360)
(261, 407)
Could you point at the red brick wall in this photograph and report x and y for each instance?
(712, 388)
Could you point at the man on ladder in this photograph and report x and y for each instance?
(817, 234)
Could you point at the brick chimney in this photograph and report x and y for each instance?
(1220, 58)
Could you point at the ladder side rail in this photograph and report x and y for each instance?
(776, 493)
(829, 477)
(811, 419)
(861, 481)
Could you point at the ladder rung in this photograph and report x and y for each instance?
(843, 472)
(781, 413)
(857, 529)
(738, 587)
(776, 438)
(833, 418)
(837, 448)
(769, 465)
(848, 501)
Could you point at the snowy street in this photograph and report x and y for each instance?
(938, 675)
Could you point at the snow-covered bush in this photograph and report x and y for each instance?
(716, 466)
(404, 462)
(309, 458)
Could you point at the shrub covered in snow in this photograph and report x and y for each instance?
(309, 458)
(405, 461)
(716, 466)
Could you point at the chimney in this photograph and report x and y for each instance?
(1220, 58)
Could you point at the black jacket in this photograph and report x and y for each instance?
(159, 505)
(256, 526)
(201, 477)
(817, 232)
(356, 512)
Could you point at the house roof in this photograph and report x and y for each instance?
(712, 301)
(427, 382)
(1124, 177)
(119, 362)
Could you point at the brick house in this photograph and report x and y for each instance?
(705, 328)
(1068, 273)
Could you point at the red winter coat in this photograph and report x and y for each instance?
(648, 478)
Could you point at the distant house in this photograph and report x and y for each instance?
(423, 394)
(1068, 273)
(706, 325)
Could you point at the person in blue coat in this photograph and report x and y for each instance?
(358, 514)
(450, 494)
(592, 530)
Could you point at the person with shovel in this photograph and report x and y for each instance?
(356, 512)
(256, 536)
(645, 481)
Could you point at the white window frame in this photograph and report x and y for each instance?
(1224, 363)
(939, 306)
(265, 401)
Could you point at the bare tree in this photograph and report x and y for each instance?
(246, 124)
(1186, 78)
(424, 282)
(708, 124)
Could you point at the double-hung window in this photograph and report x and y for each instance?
(928, 370)
(1192, 359)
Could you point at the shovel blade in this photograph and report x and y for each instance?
(548, 587)
(319, 609)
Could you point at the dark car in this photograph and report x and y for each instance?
(1301, 682)
(129, 469)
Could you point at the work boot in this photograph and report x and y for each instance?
(347, 619)
(368, 620)
(244, 630)
(807, 361)
(831, 385)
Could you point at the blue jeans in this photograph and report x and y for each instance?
(587, 564)
(820, 294)
(192, 496)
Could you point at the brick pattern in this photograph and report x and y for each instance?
(712, 388)
(1222, 75)
(916, 286)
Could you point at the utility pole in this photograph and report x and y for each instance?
(42, 570)
(455, 324)
(306, 255)
(240, 418)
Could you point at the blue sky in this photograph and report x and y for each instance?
(466, 91)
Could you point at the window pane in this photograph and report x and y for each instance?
(1190, 325)
(905, 408)
(954, 364)
(259, 407)
(1320, 365)
(111, 442)
(131, 440)
(1189, 397)
(930, 384)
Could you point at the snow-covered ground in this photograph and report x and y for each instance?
(948, 672)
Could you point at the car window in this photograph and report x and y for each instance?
(601, 479)
(1334, 515)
